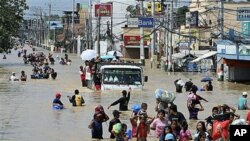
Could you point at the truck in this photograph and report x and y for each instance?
(121, 76)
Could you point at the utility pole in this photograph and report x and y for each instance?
(111, 28)
(171, 35)
(73, 14)
(153, 35)
(98, 33)
(142, 57)
(90, 25)
(221, 5)
(189, 43)
(87, 34)
(48, 38)
(167, 32)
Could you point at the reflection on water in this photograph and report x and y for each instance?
(26, 113)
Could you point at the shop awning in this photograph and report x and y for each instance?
(204, 56)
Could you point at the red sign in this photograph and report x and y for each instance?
(105, 10)
(133, 41)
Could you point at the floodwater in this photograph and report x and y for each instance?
(26, 113)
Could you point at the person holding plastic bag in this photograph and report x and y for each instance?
(163, 99)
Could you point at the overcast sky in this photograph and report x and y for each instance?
(58, 6)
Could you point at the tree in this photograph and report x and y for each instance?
(11, 17)
(134, 11)
(181, 15)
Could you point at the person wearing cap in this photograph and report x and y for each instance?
(115, 120)
(13, 77)
(123, 101)
(57, 101)
(242, 102)
(76, 99)
(170, 137)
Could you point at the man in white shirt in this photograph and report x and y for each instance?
(13, 77)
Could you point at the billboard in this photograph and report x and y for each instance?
(133, 41)
(245, 29)
(192, 19)
(105, 10)
(243, 14)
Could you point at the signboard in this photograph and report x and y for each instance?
(134, 22)
(183, 46)
(243, 14)
(105, 10)
(192, 19)
(133, 41)
(245, 29)
(146, 22)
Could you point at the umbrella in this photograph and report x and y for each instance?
(118, 53)
(107, 56)
(206, 79)
(88, 54)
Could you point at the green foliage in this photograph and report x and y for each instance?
(11, 17)
(134, 11)
(181, 15)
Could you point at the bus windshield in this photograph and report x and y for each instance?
(122, 76)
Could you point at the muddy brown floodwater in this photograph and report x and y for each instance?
(26, 113)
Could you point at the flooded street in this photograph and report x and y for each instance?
(26, 113)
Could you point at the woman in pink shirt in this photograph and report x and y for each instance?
(185, 133)
(248, 118)
(159, 123)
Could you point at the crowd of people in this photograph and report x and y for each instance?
(179, 84)
(169, 124)
(40, 63)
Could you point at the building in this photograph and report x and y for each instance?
(131, 42)
(69, 36)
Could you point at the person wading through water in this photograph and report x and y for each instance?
(76, 99)
(123, 101)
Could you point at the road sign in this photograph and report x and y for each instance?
(243, 14)
(146, 22)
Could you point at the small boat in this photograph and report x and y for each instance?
(39, 76)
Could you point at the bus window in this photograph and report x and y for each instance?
(124, 76)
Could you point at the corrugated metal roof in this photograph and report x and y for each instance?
(224, 42)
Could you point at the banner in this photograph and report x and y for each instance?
(105, 10)
(133, 41)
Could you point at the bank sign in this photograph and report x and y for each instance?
(243, 14)
(143, 22)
